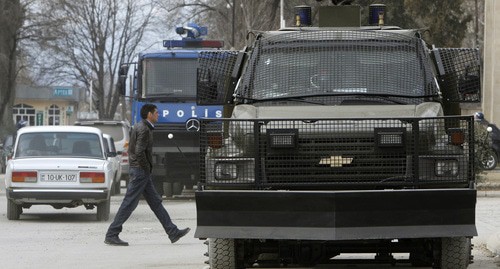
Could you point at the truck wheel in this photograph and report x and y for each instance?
(13, 210)
(103, 209)
(222, 253)
(177, 188)
(168, 190)
(455, 252)
(158, 183)
(420, 259)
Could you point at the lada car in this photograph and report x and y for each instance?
(115, 160)
(61, 166)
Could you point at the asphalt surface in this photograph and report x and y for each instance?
(72, 238)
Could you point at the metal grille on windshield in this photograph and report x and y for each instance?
(334, 66)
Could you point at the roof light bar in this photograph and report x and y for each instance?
(193, 43)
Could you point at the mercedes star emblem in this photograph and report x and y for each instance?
(193, 125)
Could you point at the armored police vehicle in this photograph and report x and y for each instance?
(338, 140)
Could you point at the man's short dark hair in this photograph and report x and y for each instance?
(146, 108)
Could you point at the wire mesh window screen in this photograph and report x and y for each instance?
(338, 63)
(459, 73)
(214, 75)
(325, 152)
(176, 77)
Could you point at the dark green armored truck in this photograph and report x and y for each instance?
(338, 140)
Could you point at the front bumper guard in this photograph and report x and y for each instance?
(336, 215)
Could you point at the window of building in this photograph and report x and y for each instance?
(24, 112)
(54, 115)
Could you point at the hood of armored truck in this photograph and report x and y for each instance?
(428, 109)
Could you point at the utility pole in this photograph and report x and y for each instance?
(476, 40)
(232, 31)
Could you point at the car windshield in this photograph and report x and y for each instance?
(172, 77)
(63, 144)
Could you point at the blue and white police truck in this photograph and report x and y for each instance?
(167, 78)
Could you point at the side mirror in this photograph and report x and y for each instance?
(121, 85)
(111, 154)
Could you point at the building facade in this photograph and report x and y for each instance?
(47, 105)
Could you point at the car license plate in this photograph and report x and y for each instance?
(58, 177)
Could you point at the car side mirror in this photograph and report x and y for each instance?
(111, 154)
(119, 152)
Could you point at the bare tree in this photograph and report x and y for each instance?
(93, 38)
(12, 14)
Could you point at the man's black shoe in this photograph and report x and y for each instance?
(115, 241)
(179, 234)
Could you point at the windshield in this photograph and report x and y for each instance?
(115, 131)
(355, 64)
(54, 144)
(170, 77)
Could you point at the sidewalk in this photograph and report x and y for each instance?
(490, 187)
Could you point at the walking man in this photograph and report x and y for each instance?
(140, 161)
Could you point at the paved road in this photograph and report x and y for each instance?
(72, 238)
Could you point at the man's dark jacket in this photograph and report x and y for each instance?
(140, 149)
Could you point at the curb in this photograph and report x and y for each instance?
(488, 185)
(493, 244)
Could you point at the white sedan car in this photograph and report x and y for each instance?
(61, 166)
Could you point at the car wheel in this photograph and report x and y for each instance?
(490, 162)
(103, 209)
(13, 210)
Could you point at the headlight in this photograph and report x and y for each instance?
(390, 137)
(226, 171)
(282, 138)
(446, 168)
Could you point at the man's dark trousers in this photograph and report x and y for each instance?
(140, 183)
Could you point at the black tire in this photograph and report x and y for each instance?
(168, 190)
(13, 210)
(421, 259)
(158, 183)
(177, 188)
(490, 161)
(222, 253)
(103, 209)
(455, 252)
(117, 187)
